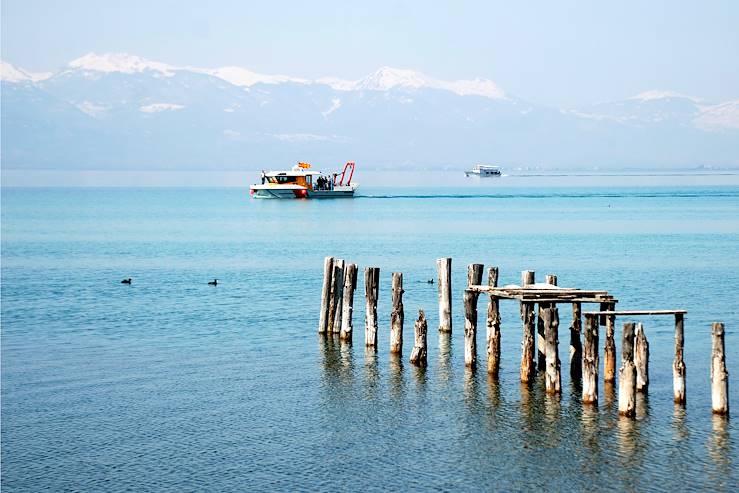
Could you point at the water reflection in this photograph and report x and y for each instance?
(371, 373)
(395, 377)
(719, 447)
(444, 367)
(590, 420)
(609, 396)
(679, 426)
(470, 390)
(494, 391)
(642, 405)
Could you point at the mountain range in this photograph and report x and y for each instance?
(120, 112)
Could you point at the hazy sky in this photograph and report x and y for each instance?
(558, 53)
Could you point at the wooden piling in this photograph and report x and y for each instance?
(541, 339)
(627, 373)
(719, 373)
(641, 359)
(396, 316)
(371, 291)
(474, 278)
(553, 377)
(590, 361)
(347, 305)
(338, 295)
(576, 342)
(493, 326)
(419, 353)
(332, 296)
(328, 269)
(609, 353)
(444, 269)
(470, 329)
(678, 366)
(529, 323)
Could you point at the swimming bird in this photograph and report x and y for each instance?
(214, 282)
(430, 281)
(126, 281)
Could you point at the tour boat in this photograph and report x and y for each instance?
(484, 170)
(301, 182)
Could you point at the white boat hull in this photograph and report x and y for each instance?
(297, 192)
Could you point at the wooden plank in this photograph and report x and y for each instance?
(637, 312)
(554, 290)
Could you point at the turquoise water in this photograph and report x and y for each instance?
(172, 384)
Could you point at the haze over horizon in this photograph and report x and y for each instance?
(187, 86)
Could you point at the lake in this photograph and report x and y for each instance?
(171, 384)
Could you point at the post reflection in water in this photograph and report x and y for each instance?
(331, 358)
(609, 397)
(494, 391)
(395, 377)
(590, 419)
(470, 389)
(719, 448)
(444, 368)
(371, 373)
(678, 423)
(346, 358)
(642, 406)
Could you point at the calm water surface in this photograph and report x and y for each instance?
(171, 384)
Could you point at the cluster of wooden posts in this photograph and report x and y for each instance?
(540, 315)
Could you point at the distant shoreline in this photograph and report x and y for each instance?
(18, 178)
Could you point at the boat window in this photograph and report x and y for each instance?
(286, 179)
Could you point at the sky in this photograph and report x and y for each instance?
(563, 53)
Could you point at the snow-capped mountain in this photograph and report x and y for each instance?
(9, 73)
(122, 111)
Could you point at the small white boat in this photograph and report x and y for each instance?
(484, 170)
(301, 182)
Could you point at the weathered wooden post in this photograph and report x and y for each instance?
(678, 366)
(371, 291)
(627, 373)
(444, 269)
(553, 377)
(470, 329)
(419, 353)
(328, 270)
(609, 353)
(529, 322)
(347, 306)
(493, 326)
(396, 316)
(590, 361)
(338, 295)
(541, 340)
(641, 359)
(719, 373)
(474, 278)
(332, 295)
(576, 342)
